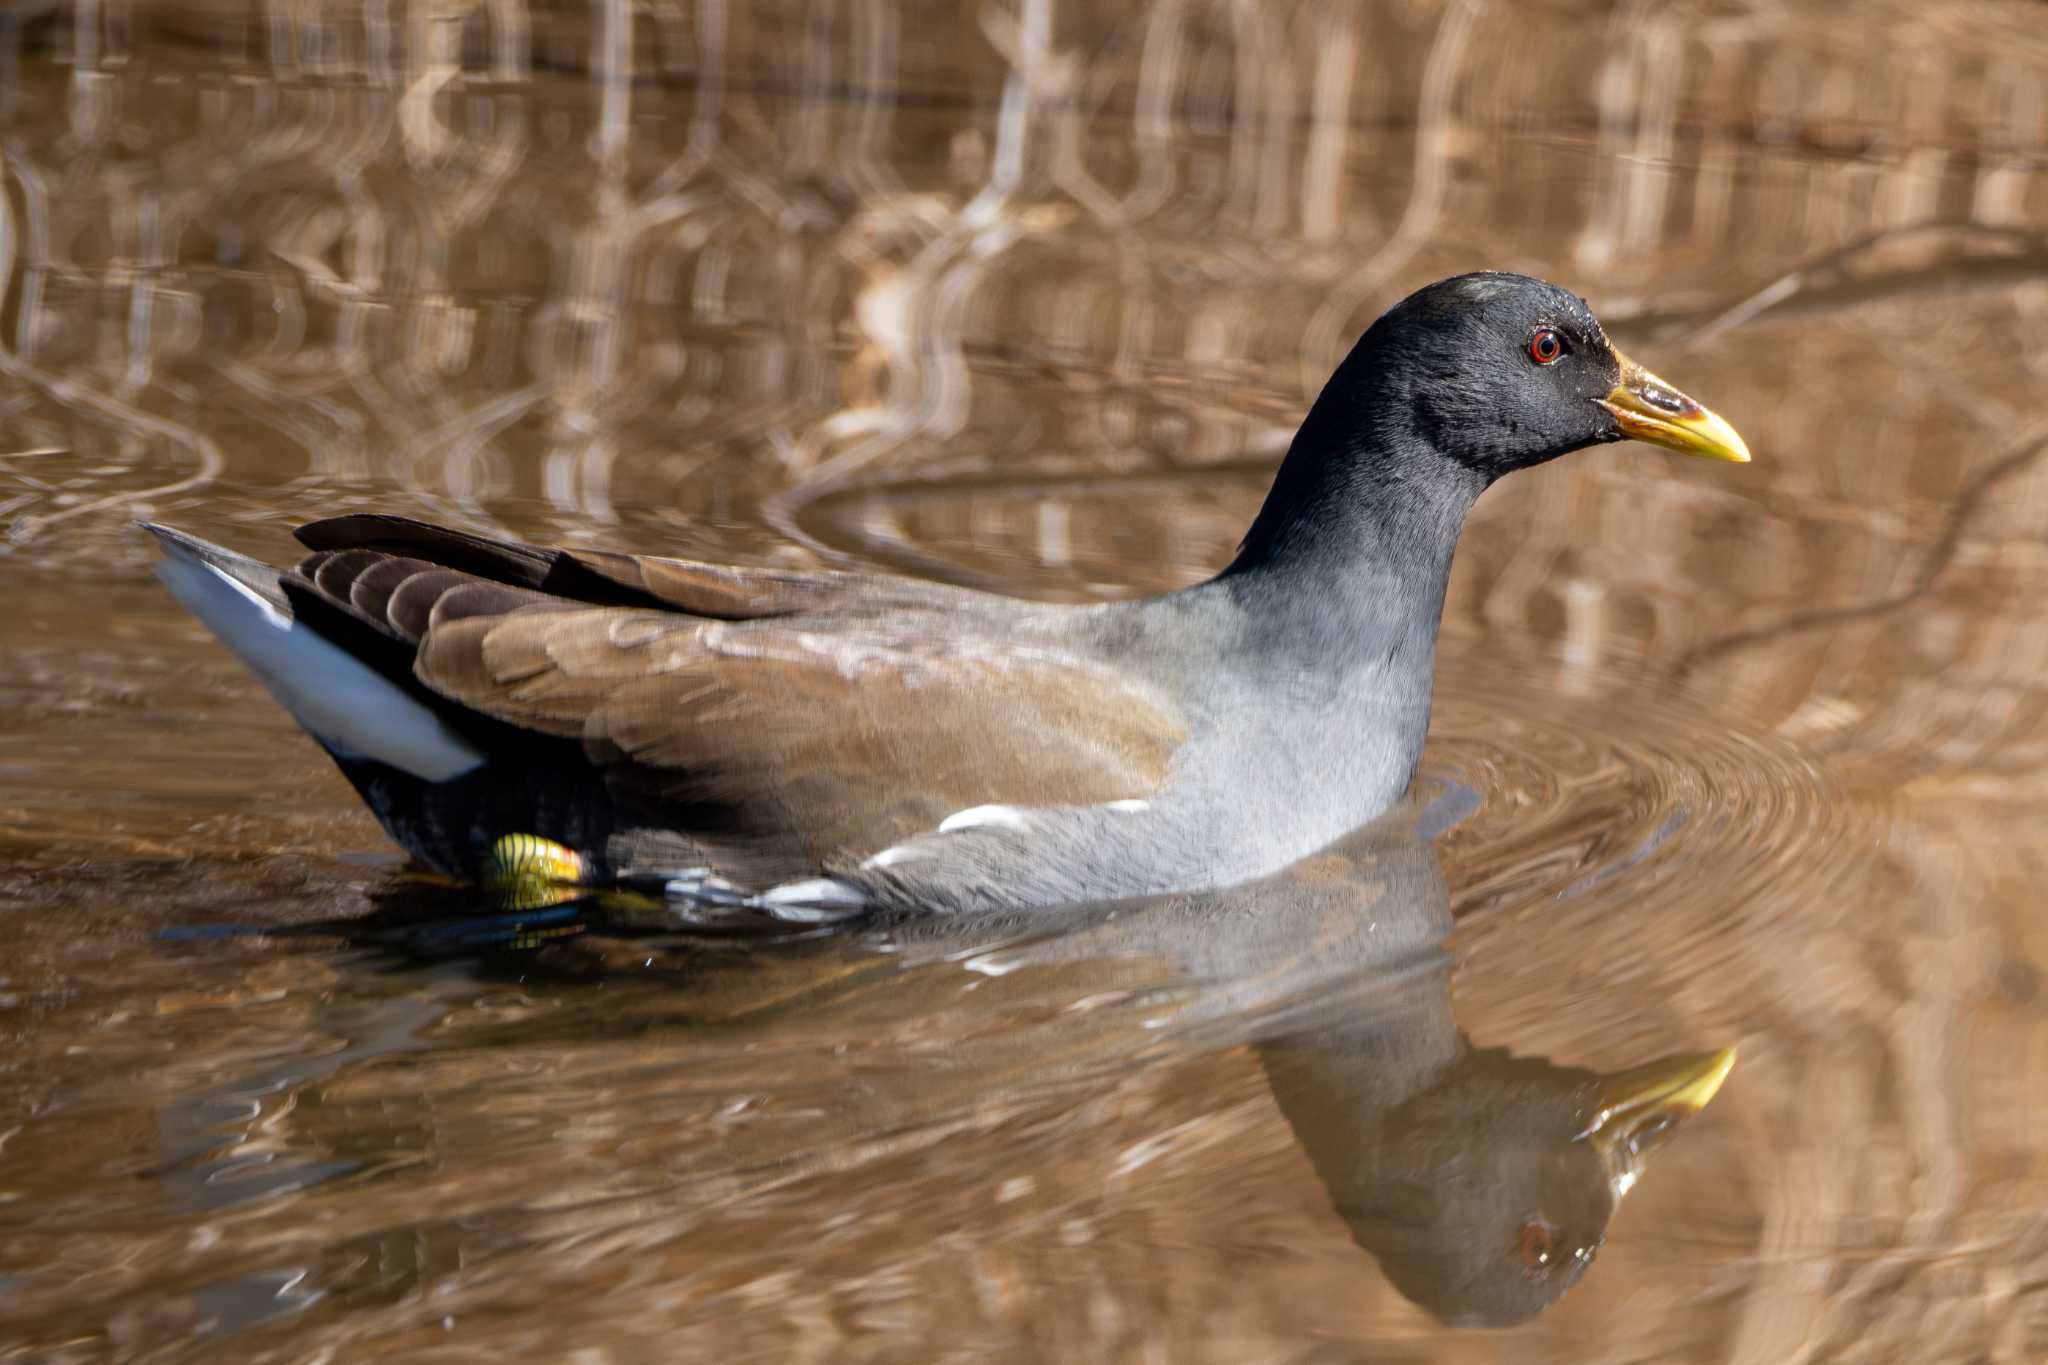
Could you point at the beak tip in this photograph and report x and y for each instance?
(1724, 1060)
(1680, 1085)
(1650, 410)
(1736, 450)
(1706, 1080)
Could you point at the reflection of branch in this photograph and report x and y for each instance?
(1825, 282)
(116, 414)
(937, 286)
(2016, 459)
(1159, 62)
(877, 33)
(1326, 335)
(77, 395)
(709, 86)
(282, 408)
(460, 441)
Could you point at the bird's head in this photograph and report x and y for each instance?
(1459, 383)
(1500, 372)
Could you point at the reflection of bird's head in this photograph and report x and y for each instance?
(1486, 1194)
(1485, 1208)
(1482, 1182)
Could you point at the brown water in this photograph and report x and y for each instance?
(1027, 293)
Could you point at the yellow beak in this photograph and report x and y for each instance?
(1635, 1110)
(1651, 410)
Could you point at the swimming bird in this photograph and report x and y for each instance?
(823, 744)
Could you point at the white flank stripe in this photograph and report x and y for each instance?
(892, 855)
(1010, 817)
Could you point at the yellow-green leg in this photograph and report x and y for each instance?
(527, 872)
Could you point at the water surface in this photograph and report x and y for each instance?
(1025, 294)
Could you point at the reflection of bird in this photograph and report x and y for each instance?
(851, 741)
(1486, 1192)
(1482, 1182)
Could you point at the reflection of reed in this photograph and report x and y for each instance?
(113, 409)
(1335, 322)
(446, 210)
(1048, 279)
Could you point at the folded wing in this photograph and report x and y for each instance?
(788, 719)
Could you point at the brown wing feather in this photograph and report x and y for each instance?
(499, 560)
(371, 591)
(852, 737)
(717, 591)
(782, 719)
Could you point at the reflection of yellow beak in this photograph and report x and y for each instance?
(1635, 1110)
(1651, 410)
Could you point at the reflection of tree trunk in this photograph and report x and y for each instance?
(1637, 91)
(932, 292)
(1330, 331)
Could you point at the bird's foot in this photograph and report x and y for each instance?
(816, 900)
(527, 872)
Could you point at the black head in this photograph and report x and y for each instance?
(1499, 372)
(1461, 382)
(1504, 371)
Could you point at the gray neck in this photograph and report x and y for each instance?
(1352, 550)
(1355, 539)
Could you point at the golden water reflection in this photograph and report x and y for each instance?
(1031, 293)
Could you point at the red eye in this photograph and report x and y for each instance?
(1538, 1238)
(1545, 346)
